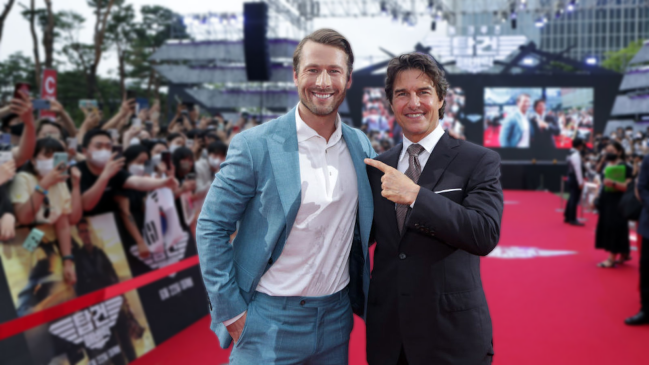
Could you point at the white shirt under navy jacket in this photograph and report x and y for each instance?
(315, 258)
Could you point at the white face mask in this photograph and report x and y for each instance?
(215, 162)
(43, 167)
(100, 157)
(455, 108)
(204, 153)
(134, 141)
(173, 147)
(156, 159)
(136, 169)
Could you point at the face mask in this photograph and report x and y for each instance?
(215, 162)
(100, 157)
(173, 147)
(17, 130)
(629, 133)
(204, 153)
(455, 108)
(185, 165)
(43, 167)
(136, 169)
(156, 159)
(611, 157)
(134, 141)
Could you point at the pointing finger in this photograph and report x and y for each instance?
(378, 164)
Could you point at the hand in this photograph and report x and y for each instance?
(143, 249)
(69, 272)
(236, 328)
(7, 171)
(56, 107)
(76, 176)
(92, 120)
(128, 107)
(57, 175)
(204, 122)
(543, 125)
(7, 224)
(171, 183)
(143, 115)
(112, 167)
(395, 186)
(131, 132)
(22, 106)
(609, 183)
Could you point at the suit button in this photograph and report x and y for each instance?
(402, 256)
(270, 261)
(303, 302)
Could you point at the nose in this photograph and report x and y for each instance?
(414, 101)
(324, 80)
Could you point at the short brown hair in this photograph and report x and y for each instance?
(328, 37)
(423, 63)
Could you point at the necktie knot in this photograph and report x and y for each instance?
(415, 149)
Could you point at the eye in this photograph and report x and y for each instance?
(312, 70)
(425, 92)
(335, 71)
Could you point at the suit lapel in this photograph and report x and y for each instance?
(391, 158)
(284, 158)
(440, 158)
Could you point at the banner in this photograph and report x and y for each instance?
(48, 91)
(115, 331)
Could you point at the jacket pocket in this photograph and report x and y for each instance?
(244, 279)
(461, 301)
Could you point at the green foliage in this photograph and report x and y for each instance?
(16, 68)
(619, 60)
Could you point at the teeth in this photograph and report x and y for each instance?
(414, 115)
(322, 96)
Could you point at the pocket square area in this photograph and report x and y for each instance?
(447, 191)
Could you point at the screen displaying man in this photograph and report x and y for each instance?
(516, 130)
(545, 126)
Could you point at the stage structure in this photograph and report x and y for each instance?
(632, 104)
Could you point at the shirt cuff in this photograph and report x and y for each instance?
(229, 322)
(413, 204)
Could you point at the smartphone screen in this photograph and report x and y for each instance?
(60, 157)
(166, 158)
(118, 150)
(6, 138)
(21, 87)
(41, 104)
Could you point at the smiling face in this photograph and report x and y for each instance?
(415, 104)
(321, 79)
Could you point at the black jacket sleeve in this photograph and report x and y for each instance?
(474, 225)
(5, 202)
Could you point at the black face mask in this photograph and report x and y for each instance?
(611, 157)
(17, 130)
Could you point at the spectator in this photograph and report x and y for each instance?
(176, 140)
(7, 217)
(40, 196)
(206, 168)
(612, 233)
(183, 161)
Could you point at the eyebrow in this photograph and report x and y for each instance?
(420, 89)
(330, 66)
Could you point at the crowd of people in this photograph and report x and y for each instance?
(53, 172)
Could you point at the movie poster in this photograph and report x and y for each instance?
(115, 331)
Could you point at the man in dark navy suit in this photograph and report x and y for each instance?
(437, 208)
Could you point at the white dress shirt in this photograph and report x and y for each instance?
(315, 258)
(525, 127)
(428, 143)
(575, 160)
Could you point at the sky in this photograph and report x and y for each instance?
(365, 35)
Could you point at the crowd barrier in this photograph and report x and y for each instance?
(121, 307)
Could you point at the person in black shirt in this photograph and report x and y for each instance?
(94, 269)
(102, 175)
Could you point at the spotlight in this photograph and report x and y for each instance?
(528, 61)
(539, 23)
(557, 15)
(591, 61)
(571, 5)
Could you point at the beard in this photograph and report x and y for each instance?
(323, 110)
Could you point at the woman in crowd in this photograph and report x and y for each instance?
(612, 232)
(183, 161)
(40, 196)
(132, 202)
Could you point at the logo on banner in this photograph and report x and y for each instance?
(171, 254)
(513, 252)
(90, 326)
(48, 91)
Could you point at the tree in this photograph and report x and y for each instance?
(121, 33)
(16, 68)
(5, 14)
(102, 11)
(47, 23)
(31, 15)
(619, 60)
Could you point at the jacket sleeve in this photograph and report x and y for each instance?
(473, 226)
(643, 182)
(224, 205)
(505, 131)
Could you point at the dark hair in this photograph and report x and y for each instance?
(173, 136)
(577, 142)
(153, 142)
(87, 138)
(179, 154)
(218, 148)
(520, 96)
(46, 145)
(537, 101)
(423, 63)
(618, 147)
(212, 136)
(133, 152)
(7, 119)
(327, 37)
(43, 122)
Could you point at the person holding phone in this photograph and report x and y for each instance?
(183, 162)
(40, 196)
(23, 134)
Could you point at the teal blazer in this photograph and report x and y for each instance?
(258, 187)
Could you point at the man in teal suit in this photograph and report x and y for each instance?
(516, 130)
(297, 187)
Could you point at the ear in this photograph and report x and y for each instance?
(295, 77)
(349, 82)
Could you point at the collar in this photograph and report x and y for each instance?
(304, 132)
(429, 142)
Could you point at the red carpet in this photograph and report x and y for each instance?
(546, 309)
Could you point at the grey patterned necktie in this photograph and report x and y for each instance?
(413, 172)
